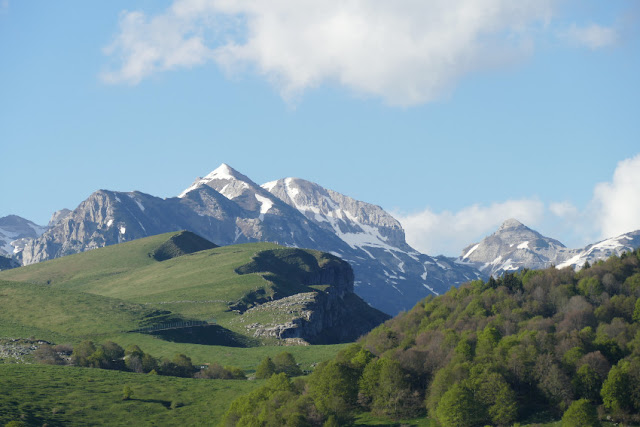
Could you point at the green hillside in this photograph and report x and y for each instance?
(124, 287)
(60, 395)
(532, 347)
(63, 315)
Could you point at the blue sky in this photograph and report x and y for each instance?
(453, 115)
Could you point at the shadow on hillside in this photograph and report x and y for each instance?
(165, 403)
(206, 335)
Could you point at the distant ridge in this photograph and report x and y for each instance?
(180, 244)
(515, 246)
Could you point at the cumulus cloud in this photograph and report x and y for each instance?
(145, 46)
(613, 210)
(563, 209)
(617, 203)
(406, 52)
(593, 36)
(449, 232)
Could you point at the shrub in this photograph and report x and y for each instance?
(581, 413)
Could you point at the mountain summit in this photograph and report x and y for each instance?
(512, 247)
(515, 246)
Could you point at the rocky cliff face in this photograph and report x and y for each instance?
(331, 314)
(15, 232)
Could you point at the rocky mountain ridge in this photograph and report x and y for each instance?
(515, 246)
(227, 207)
(14, 232)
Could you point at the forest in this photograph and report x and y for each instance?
(547, 345)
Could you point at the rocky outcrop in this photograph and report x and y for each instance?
(331, 313)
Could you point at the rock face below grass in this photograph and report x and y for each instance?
(330, 313)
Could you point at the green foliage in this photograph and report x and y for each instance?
(82, 353)
(616, 390)
(636, 311)
(274, 403)
(590, 287)
(127, 393)
(459, 407)
(285, 362)
(265, 369)
(581, 413)
(334, 389)
(386, 385)
(587, 383)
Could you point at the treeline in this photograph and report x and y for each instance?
(551, 343)
(110, 355)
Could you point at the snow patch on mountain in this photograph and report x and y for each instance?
(614, 246)
(265, 205)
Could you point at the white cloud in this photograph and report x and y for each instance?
(145, 46)
(4, 6)
(449, 232)
(563, 209)
(617, 203)
(593, 36)
(406, 52)
(613, 210)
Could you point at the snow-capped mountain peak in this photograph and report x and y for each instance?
(602, 250)
(512, 247)
(512, 223)
(224, 179)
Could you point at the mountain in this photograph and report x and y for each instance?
(389, 272)
(515, 246)
(13, 231)
(227, 207)
(602, 250)
(512, 247)
(256, 292)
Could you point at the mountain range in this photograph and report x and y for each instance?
(227, 207)
(515, 246)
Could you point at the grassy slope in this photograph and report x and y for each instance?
(199, 286)
(59, 395)
(62, 315)
(102, 293)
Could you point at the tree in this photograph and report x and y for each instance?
(265, 369)
(215, 371)
(127, 393)
(383, 384)
(285, 362)
(587, 383)
(47, 355)
(581, 413)
(82, 352)
(616, 390)
(495, 395)
(459, 408)
(334, 389)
